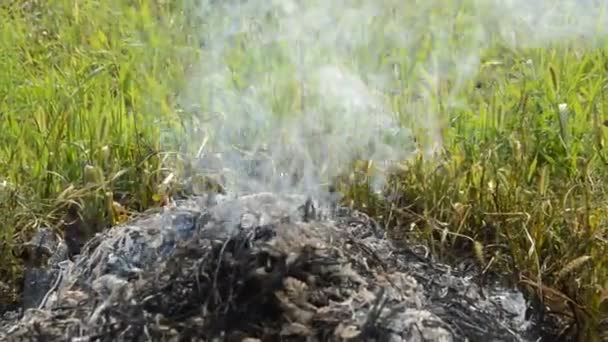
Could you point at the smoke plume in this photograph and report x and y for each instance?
(290, 92)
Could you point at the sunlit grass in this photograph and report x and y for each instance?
(85, 85)
(519, 181)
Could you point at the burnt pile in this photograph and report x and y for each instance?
(262, 267)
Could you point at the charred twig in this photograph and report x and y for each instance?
(369, 252)
(369, 330)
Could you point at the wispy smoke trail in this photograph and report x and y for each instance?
(292, 91)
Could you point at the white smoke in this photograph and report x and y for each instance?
(310, 85)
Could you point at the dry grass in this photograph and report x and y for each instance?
(515, 186)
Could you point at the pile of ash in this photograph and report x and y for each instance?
(262, 267)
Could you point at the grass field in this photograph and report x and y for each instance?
(85, 91)
(89, 114)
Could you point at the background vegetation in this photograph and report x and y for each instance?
(86, 91)
(89, 117)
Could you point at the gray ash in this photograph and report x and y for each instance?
(263, 267)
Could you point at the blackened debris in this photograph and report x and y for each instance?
(254, 268)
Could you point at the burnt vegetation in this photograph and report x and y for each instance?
(331, 277)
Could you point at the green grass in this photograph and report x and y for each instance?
(85, 85)
(518, 185)
(89, 114)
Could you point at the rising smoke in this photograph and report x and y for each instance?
(292, 91)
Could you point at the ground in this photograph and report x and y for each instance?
(94, 123)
